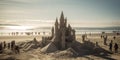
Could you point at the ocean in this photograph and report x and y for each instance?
(47, 30)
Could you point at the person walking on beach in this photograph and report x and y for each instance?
(110, 45)
(116, 47)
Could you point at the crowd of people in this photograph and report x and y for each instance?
(115, 47)
(112, 46)
(10, 46)
(105, 38)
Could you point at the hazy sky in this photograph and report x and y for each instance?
(82, 13)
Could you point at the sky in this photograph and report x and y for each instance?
(80, 13)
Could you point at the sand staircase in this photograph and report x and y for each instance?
(26, 46)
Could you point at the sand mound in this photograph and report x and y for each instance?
(65, 53)
(49, 48)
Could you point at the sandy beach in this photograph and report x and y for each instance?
(19, 38)
(35, 54)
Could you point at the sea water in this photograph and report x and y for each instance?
(47, 30)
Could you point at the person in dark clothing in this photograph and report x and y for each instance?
(114, 37)
(17, 49)
(83, 38)
(1, 48)
(101, 36)
(116, 47)
(8, 45)
(13, 45)
(105, 40)
(4, 43)
(110, 45)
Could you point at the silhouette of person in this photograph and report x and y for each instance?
(97, 44)
(17, 49)
(4, 43)
(1, 48)
(12, 45)
(110, 45)
(83, 37)
(101, 36)
(116, 47)
(8, 45)
(105, 40)
(114, 37)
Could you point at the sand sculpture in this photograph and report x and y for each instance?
(62, 36)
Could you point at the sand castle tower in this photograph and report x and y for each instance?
(62, 34)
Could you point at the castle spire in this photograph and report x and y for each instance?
(62, 16)
(56, 27)
(52, 31)
(66, 22)
(56, 22)
(62, 20)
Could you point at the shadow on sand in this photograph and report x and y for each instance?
(90, 48)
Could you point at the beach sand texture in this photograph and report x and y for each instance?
(35, 54)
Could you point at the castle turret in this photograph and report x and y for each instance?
(69, 27)
(56, 27)
(52, 31)
(62, 20)
(63, 39)
(65, 22)
(74, 36)
(56, 33)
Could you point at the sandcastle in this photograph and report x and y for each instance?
(62, 36)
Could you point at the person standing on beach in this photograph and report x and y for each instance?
(17, 49)
(4, 43)
(101, 36)
(1, 47)
(114, 37)
(12, 45)
(105, 40)
(8, 45)
(116, 47)
(83, 38)
(110, 45)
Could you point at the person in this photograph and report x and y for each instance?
(8, 45)
(83, 38)
(110, 45)
(17, 49)
(114, 37)
(12, 45)
(4, 43)
(97, 44)
(0, 47)
(105, 40)
(116, 47)
(101, 36)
